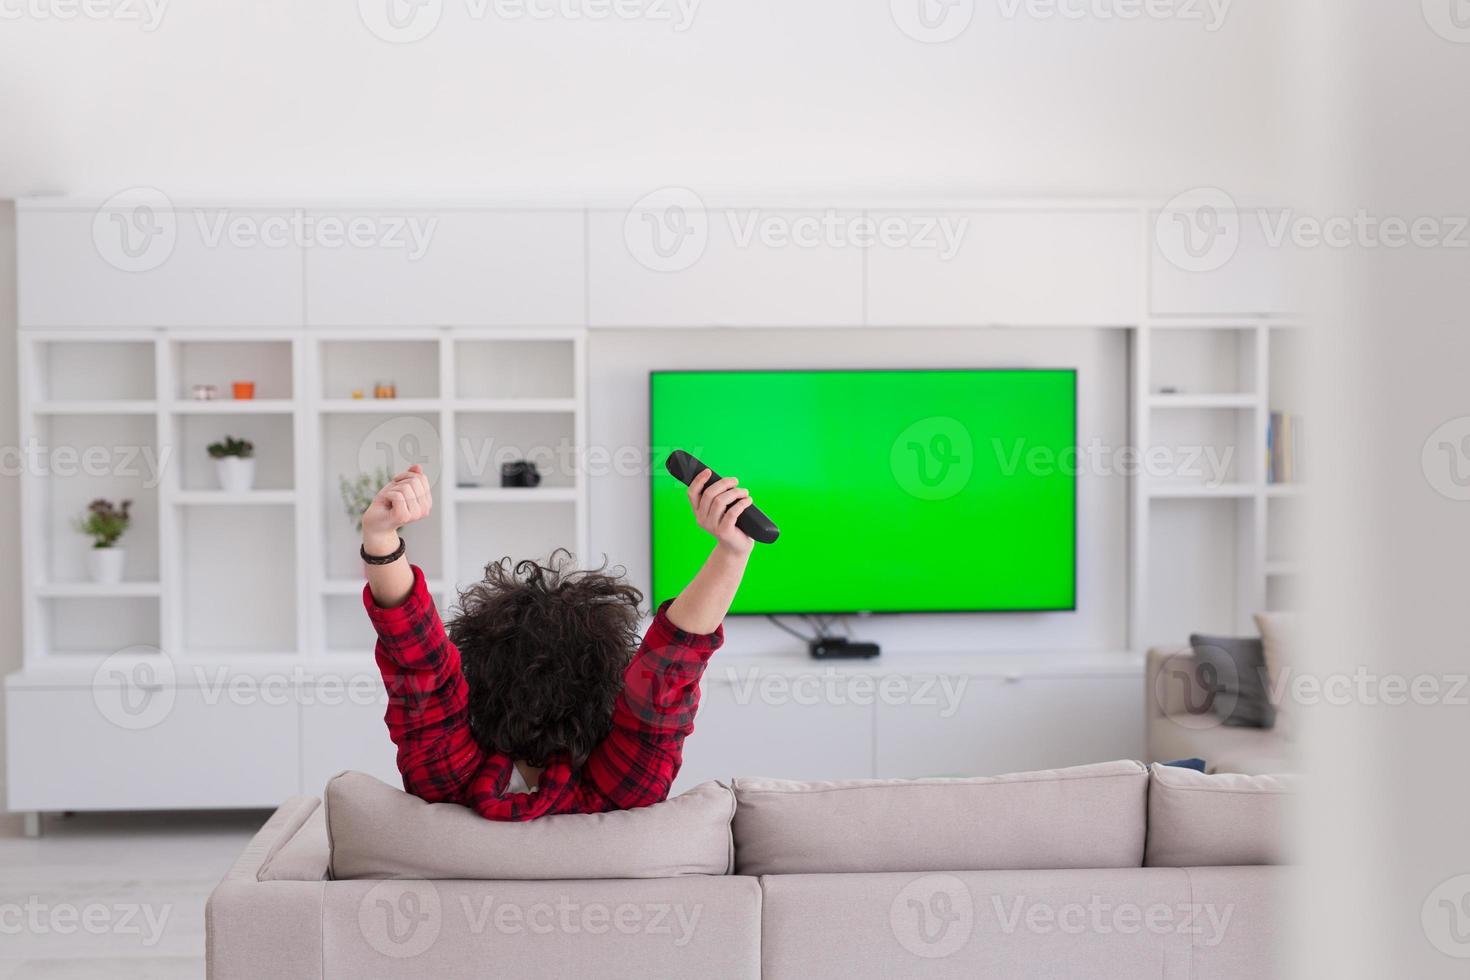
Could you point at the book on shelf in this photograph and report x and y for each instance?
(1284, 448)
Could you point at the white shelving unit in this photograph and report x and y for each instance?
(1213, 542)
(211, 573)
(483, 335)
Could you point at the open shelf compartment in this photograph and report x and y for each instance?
(267, 366)
(1204, 362)
(238, 583)
(77, 627)
(1202, 448)
(71, 373)
(115, 458)
(375, 445)
(355, 369)
(486, 441)
(1197, 551)
(272, 437)
(514, 369)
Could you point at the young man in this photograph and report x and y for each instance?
(534, 702)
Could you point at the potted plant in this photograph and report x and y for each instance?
(359, 491)
(105, 524)
(234, 460)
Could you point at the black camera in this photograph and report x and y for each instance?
(519, 473)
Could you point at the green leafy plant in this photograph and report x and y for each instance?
(359, 491)
(230, 446)
(105, 523)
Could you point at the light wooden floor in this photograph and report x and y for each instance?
(116, 896)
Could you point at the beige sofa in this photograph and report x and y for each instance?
(1109, 870)
(1179, 724)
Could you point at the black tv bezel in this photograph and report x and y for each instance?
(1021, 610)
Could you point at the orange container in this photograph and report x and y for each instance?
(244, 390)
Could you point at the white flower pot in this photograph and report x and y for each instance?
(105, 565)
(236, 473)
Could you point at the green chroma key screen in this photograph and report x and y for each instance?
(895, 491)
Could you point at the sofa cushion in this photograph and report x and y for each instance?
(1240, 681)
(1258, 933)
(1281, 643)
(966, 925)
(377, 831)
(695, 927)
(1195, 820)
(1084, 817)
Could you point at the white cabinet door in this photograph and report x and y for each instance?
(772, 732)
(437, 267)
(140, 263)
(723, 267)
(339, 733)
(175, 748)
(993, 726)
(977, 268)
(1201, 266)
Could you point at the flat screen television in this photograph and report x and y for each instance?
(895, 491)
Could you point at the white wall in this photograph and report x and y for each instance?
(277, 94)
(1389, 527)
(619, 362)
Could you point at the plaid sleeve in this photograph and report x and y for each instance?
(637, 762)
(427, 696)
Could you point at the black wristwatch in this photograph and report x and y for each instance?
(384, 559)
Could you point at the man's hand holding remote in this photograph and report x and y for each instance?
(717, 504)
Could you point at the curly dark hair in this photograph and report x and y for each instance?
(544, 648)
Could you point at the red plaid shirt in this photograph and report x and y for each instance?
(441, 762)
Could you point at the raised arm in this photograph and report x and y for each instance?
(636, 763)
(704, 602)
(427, 695)
(405, 499)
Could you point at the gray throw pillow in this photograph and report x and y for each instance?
(1239, 666)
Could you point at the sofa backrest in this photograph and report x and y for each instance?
(1195, 820)
(1108, 815)
(377, 831)
(1082, 817)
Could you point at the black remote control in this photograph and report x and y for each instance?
(685, 468)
